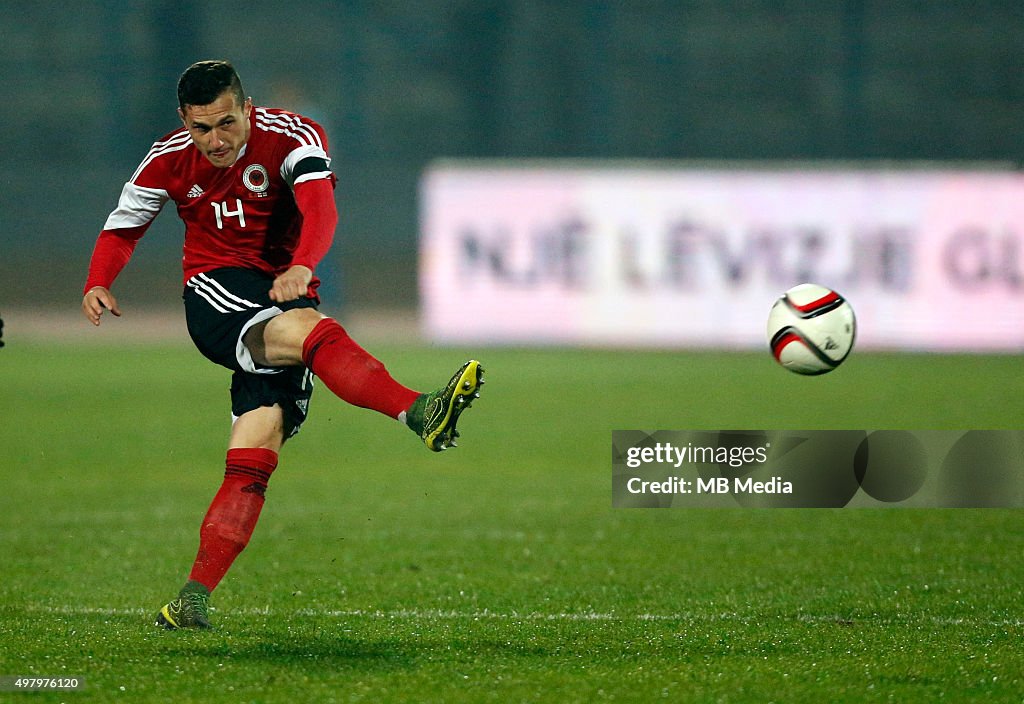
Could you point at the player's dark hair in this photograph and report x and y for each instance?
(204, 81)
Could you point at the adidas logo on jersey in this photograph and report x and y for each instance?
(195, 191)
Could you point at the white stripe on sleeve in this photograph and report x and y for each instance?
(137, 206)
(297, 155)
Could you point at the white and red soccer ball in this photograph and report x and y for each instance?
(811, 329)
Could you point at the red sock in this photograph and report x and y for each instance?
(232, 515)
(351, 372)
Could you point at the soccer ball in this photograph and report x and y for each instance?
(811, 329)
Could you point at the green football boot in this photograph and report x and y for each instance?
(189, 610)
(433, 416)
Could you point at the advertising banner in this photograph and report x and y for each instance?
(929, 259)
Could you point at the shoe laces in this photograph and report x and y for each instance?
(195, 602)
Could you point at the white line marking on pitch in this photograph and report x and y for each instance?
(438, 614)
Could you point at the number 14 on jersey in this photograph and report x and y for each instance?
(222, 211)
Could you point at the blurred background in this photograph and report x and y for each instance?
(398, 85)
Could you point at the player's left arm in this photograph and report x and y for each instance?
(314, 196)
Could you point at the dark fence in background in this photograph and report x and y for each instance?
(87, 87)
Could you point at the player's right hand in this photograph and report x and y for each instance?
(96, 299)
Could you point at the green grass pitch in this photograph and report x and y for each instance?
(499, 571)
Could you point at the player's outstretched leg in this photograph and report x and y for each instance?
(355, 376)
(189, 610)
(433, 416)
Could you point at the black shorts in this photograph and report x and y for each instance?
(220, 307)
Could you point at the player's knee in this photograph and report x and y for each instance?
(262, 427)
(304, 320)
(286, 333)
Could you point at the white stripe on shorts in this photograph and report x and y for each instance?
(225, 292)
(219, 305)
(242, 354)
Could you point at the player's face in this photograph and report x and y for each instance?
(220, 129)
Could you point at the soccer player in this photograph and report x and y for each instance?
(254, 188)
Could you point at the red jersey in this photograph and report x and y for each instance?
(241, 216)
